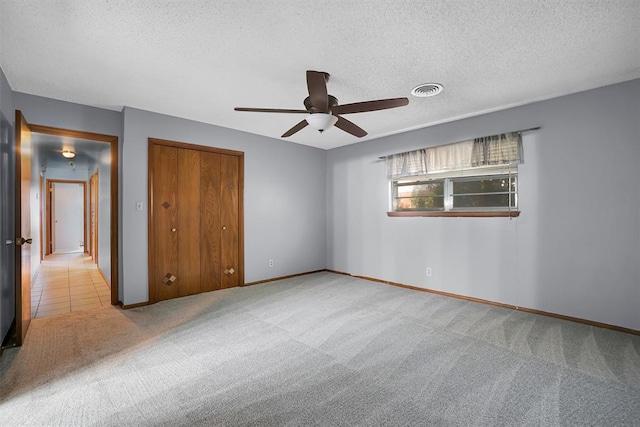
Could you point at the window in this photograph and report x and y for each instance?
(418, 195)
(470, 178)
(494, 191)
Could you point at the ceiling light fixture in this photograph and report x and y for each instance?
(69, 154)
(321, 121)
(427, 89)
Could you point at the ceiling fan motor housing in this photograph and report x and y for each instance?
(333, 101)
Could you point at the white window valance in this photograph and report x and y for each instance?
(503, 149)
(411, 163)
(450, 157)
(495, 150)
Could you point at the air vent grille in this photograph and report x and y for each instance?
(427, 89)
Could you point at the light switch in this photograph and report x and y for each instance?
(139, 206)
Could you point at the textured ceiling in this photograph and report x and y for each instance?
(50, 149)
(199, 59)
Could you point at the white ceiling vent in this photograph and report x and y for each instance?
(427, 89)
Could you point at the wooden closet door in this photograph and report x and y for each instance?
(210, 221)
(164, 161)
(195, 219)
(188, 229)
(229, 206)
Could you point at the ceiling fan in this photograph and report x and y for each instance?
(323, 109)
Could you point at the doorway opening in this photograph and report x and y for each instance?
(28, 178)
(66, 222)
(82, 195)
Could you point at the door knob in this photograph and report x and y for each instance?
(21, 241)
(173, 229)
(224, 227)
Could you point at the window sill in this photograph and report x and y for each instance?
(471, 214)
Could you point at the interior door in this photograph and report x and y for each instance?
(195, 219)
(7, 223)
(210, 189)
(229, 206)
(188, 200)
(23, 227)
(164, 232)
(68, 211)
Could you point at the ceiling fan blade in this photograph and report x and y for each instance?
(303, 124)
(349, 127)
(318, 96)
(363, 107)
(270, 110)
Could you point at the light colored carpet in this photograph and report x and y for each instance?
(322, 349)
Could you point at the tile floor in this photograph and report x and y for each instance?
(66, 283)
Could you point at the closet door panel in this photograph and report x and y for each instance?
(229, 172)
(188, 229)
(164, 182)
(210, 221)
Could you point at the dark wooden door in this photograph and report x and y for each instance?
(210, 190)
(229, 170)
(188, 222)
(195, 220)
(23, 228)
(164, 209)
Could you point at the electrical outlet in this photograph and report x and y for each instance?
(270, 263)
(429, 271)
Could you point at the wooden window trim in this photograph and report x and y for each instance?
(468, 214)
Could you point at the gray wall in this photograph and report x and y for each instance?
(284, 198)
(103, 167)
(6, 98)
(104, 213)
(52, 112)
(575, 249)
(7, 202)
(284, 188)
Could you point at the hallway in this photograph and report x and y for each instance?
(66, 283)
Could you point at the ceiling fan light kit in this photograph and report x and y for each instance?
(321, 121)
(323, 109)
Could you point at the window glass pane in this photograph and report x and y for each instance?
(428, 195)
(483, 201)
(493, 191)
(483, 185)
